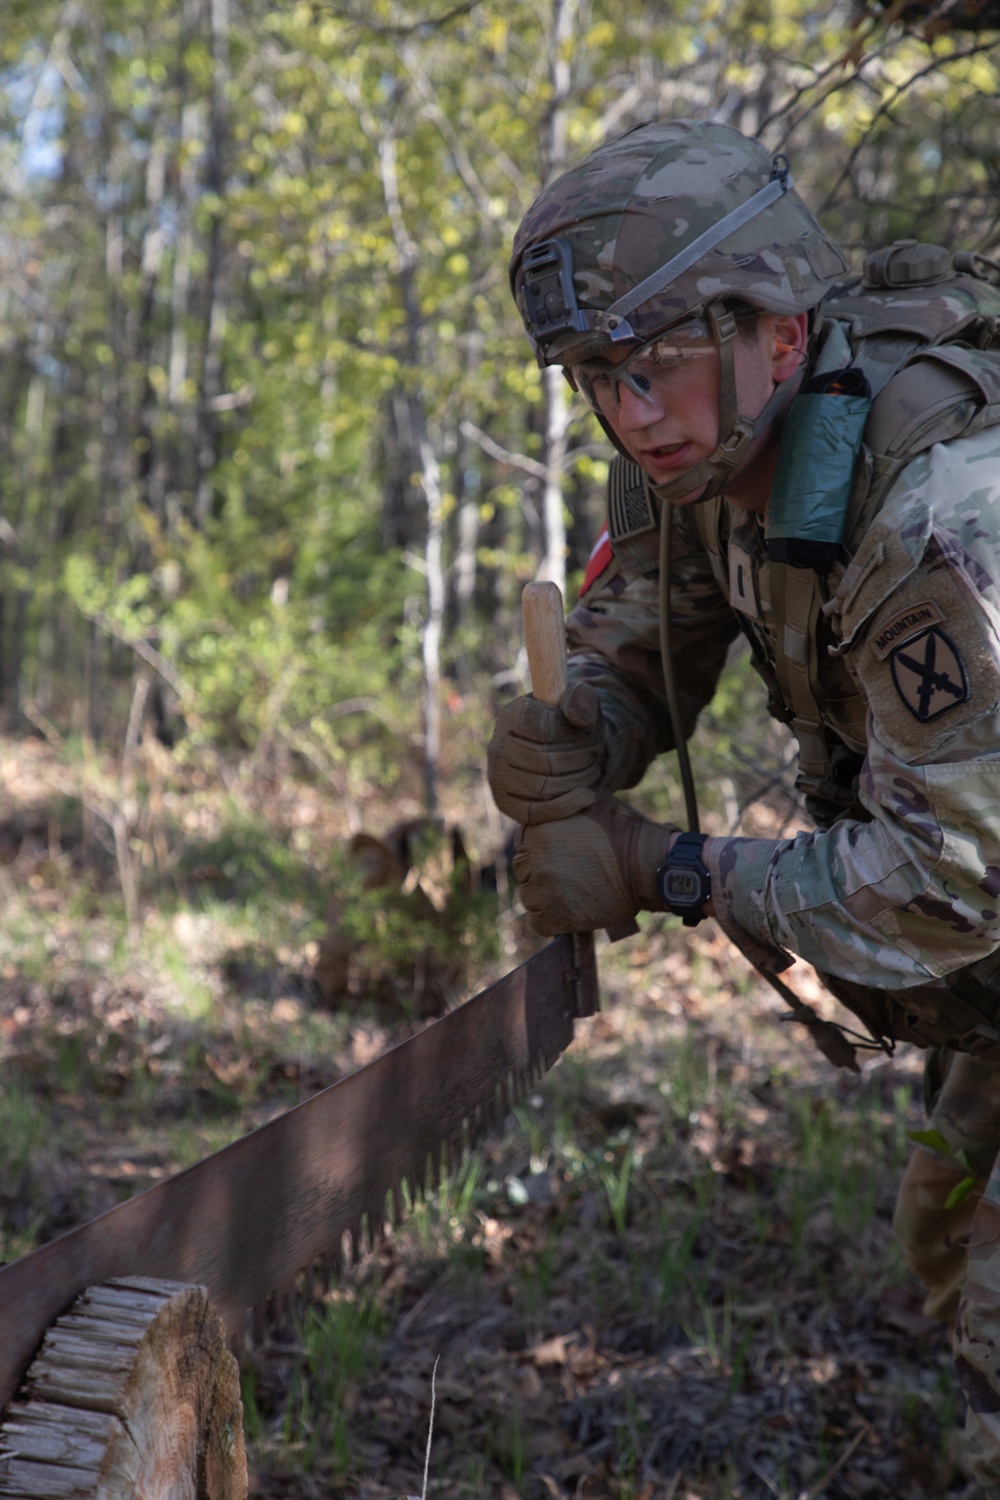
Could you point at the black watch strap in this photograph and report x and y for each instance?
(682, 881)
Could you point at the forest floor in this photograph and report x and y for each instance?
(670, 1273)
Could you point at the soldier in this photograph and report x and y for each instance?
(813, 459)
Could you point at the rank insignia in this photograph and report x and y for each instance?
(928, 675)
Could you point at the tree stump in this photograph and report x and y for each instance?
(133, 1396)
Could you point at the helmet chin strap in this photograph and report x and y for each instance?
(714, 473)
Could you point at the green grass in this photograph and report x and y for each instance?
(26, 1141)
(25, 1129)
(506, 1441)
(340, 1344)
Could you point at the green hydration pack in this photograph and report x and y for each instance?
(820, 442)
(920, 314)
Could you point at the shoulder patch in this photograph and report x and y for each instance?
(929, 661)
(629, 512)
(929, 675)
(907, 622)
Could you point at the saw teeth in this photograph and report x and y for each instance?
(320, 1274)
(282, 1241)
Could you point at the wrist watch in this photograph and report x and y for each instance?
(682, 881)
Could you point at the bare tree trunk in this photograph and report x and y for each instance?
(151, 466)
(431, 479)
(467, 492)
(401, 427)
(554, 520)
(217, 284)
(408, 252)
(177, 367)
(556, 407)
(464, 568)
(114, 436)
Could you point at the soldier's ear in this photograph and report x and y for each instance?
(788, 351)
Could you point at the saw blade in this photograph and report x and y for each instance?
(245, 1221)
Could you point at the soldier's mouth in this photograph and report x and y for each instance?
(666, 456)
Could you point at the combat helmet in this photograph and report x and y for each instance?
(668, 224)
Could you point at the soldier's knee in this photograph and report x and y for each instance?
(934, 1237)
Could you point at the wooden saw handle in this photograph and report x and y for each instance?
(545, 640)
(545, 643)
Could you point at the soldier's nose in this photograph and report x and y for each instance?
(635, 411)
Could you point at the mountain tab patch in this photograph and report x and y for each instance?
(903, 625)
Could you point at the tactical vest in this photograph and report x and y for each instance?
(923, 327)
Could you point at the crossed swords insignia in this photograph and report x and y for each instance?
(929, 675)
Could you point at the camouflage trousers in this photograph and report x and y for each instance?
(956, 1251)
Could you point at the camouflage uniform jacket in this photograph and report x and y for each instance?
(903, 889)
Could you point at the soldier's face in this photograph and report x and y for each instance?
(666, 415)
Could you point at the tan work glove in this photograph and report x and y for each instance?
(544, 762)
(596, 869)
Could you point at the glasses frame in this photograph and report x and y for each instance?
(617, 375)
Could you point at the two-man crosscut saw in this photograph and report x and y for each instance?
(245, 1222)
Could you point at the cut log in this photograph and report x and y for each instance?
(132, 1396)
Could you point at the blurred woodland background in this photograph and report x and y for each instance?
(275, 463)
(274, 457)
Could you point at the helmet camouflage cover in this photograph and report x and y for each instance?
(629, 208)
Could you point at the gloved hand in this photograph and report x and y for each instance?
(542, 762)
(596, 869)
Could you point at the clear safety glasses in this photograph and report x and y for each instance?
(655, 368)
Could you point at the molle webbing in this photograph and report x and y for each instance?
(796, 600)
(942, 393)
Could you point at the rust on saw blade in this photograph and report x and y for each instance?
(246, 1220)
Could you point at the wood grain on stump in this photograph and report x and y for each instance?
(133, 1396)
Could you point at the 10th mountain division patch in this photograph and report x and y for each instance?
(928, 674)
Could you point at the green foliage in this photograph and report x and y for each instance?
(256, 264)
(26, 1139)
(341, 1343)
(444, 1220)
(616, 1177)
(935, 1141)
(24, 1128)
